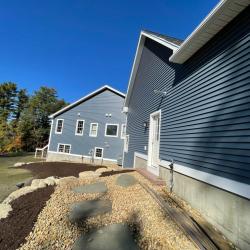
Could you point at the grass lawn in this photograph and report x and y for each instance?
(10, 176)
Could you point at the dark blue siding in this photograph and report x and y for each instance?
(93, 110)
(206, 114)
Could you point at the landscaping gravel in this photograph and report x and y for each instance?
(152, 228)
(98, 187)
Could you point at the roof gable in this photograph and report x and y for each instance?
(87, 97)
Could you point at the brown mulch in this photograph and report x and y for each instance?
(21, 219)
(43, 170)
(114, 172)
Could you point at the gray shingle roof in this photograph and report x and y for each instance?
(166, 38)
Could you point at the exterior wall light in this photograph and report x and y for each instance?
(145, 125)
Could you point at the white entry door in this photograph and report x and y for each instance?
(154, 142)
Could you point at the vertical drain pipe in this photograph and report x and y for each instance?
(171, 180)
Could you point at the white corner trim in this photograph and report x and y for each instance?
(117, 132)
(90, 129)
(50, 133)
(64, 144)
(77, 121)
(77, 155)
(122, 130)
(57, 125)
(87, 97)
(232, 186)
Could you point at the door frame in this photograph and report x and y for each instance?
(150, 167)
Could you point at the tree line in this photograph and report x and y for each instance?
(24, 118)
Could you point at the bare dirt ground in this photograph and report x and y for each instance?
(43, 170)
(22, 218)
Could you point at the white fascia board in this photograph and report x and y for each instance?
(87, 97)
(217, 19)
(137, 59)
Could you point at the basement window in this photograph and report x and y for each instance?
(98, 152)
(64, 148)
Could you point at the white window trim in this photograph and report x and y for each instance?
(57, 125)
(77, 121)
(126, 144)
(122, 128)
(115, 124)
(63, 148)
(90, 129)
(95, 153)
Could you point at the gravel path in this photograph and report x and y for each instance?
(152, 229)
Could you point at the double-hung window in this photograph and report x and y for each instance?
(79, 127)
(123, 131)
(111, 130)
(59, 126)
(93, 129)
(64, 148)
(98, 152)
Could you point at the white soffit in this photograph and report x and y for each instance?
(219, 17)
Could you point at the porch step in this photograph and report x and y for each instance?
(151, 177)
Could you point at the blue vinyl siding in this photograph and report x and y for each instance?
(93, 110)
(206, 113)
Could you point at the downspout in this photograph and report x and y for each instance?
(171, 180)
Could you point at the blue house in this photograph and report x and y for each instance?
(188, 116)
(90, 129)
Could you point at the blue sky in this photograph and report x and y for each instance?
(77, 46)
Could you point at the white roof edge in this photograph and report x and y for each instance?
(86, 97)
(189, 46)
(137, 58)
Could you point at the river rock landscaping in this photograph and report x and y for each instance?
(128, 208)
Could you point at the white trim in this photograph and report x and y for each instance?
(149, 162)
(77, 155)
(217, 19)
(77, 121)
(64, 144)
(139, 155)
(50, 133)
(57, 125)
(122, 130)
(90, 129)
(102, 153)
(123, 153)
(114, 124)
(87, 97)
(232, 186)
(137, 59)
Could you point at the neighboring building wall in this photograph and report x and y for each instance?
(205, 122)
(93, 110)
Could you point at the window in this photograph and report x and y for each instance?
(126, 142)
(98, 152)
(59, 126)
(64, 148)
(111, 130)
(93, 129)
(79, 127)
(123, 131)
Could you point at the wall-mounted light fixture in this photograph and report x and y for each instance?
(79, 114)
(145, 125)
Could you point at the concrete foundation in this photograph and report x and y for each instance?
(228, 212)
(77, 159)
